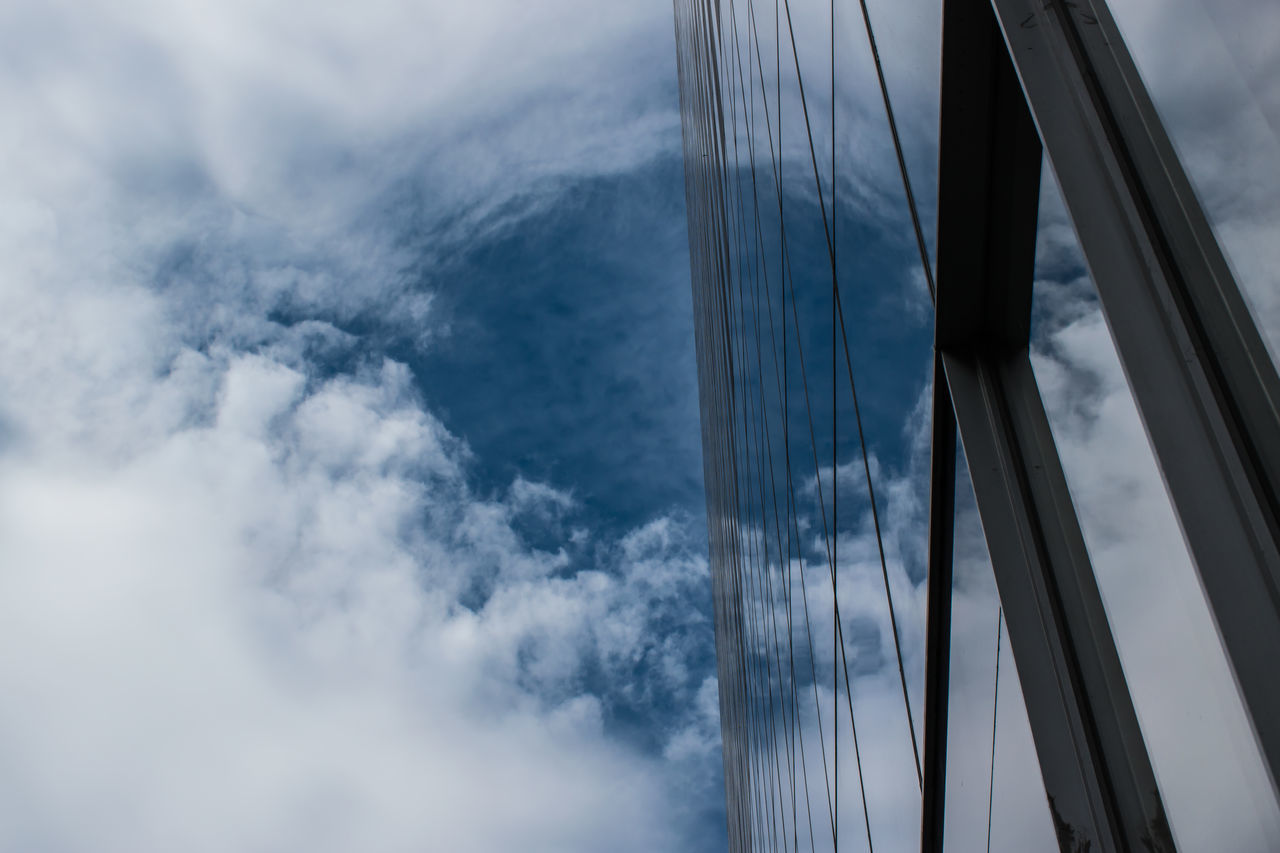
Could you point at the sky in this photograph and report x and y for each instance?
(351, 489)
(350, 468)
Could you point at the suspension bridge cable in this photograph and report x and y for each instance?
(897, 148)
(844, 661)
(875, 516)
(995, 708)
(835, 459)
(807, 621)
(775, 157)
(729, 255)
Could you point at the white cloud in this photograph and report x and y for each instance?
(250, 155)
(232, 597)
(254, 604)
(251, 624)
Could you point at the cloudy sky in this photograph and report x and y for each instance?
(350, 476)
(1213, 79)
(349, 480)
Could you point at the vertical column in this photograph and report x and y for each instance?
(937, 664)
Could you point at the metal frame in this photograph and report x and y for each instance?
(1097, 775)
(1024, 78)
(1015, 73)
(937, 675)
(1204, 383)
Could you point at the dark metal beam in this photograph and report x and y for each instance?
(1096, 771)
(1204, 383)
(1097, 776)
(937, 660)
